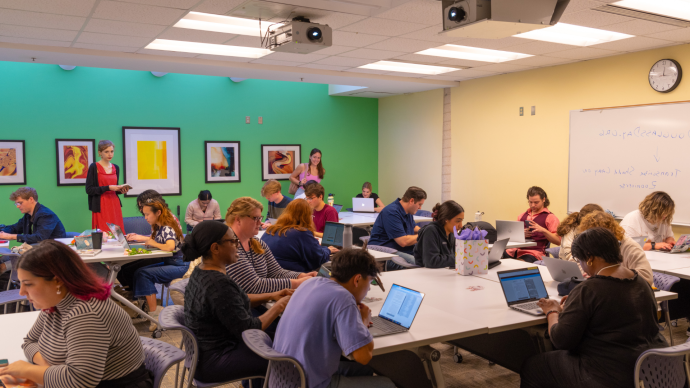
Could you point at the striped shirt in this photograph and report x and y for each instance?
(85, 342)
(259, 274)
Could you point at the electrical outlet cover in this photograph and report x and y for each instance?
(247, 120)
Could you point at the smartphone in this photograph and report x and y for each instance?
(527, 224)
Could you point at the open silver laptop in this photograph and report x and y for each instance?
(398, 311)
(562, 270)
(512, 230)
(363, 205)
(337, 207)
(117, 232)
(497, 252)
(523, 288)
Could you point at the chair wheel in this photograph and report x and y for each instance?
(491, 363)
(157, 334)
(674, 323)
(457, 358)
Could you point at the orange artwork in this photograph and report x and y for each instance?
(281, 162)
(8, 162)
(76, 161)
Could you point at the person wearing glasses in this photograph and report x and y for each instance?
(256, 269)
(38, 223)
(218, 310)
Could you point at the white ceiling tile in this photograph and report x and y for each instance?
(129, 12)
(113, 40)
(463, 62)
(365, 71)
(123, 28)
(44, 20)
(491, 44)
(386, 27)
(371, 54)
(36, 42)
(537, 47)
(103, 47)
(298, 58)
(682, 35)
(351, 39)
(424, 12)
(445, 77)
(431, 34)
(180, 4)
(581, 5)
(583, 53)
(337, 19)
(324, 67)
(471, 73)
(406, 75)
(245, 41)
(335, 50)
(640, 27)
(421, 58)
(637, 43)
(343, 61)
(539, 61)
(219, 7)
(503, 68)
(37, 33)
(58, 7)
(594, 19)
(166, 53)
(276, 63)
(188, 35)
(224, 58)
(403, 45)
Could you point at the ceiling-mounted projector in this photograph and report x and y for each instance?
(495, 19)
(299, 36)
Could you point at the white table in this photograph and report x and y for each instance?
(669, 263)
(19, 325)
(367, 219)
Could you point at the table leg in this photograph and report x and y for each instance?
(668, 324)
(411, 368)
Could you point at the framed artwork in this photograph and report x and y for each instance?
(12, 162)
(74, 156)
(152, 160)
(279, 161)
(222, 161)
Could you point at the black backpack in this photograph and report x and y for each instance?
(491, 234)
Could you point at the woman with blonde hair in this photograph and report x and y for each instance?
(292, 240)
(256, 270)
(652, 220)
(633, 255)
(568, 229)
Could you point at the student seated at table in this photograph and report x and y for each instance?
(601, 327)
(323, 212)
(217, 309)
(543, 227)
(256, 270)
(366, 193)
(395, 227)
(435, 246)
(277, 202)
(166, 236)
(633, 255)
(38, 223)
(204, 207)
(292, 242)
(652, 220)
(567, 229)
(327, 319)
(81, 338)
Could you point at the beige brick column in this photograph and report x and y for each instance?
(446, 153)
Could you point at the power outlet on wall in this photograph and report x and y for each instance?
(522, 111)
(247, 119)
(534, 110)
(261, 120)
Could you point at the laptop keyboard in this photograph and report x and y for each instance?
(528, 306)
(386, 326)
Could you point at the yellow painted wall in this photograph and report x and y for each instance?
(498, 155)
(410, 143)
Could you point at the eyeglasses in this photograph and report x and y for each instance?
(310, 198)
(256, 219)
(234, 241)
(18, 204)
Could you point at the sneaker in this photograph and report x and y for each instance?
(153, 326)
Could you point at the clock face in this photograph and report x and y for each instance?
(665, 75)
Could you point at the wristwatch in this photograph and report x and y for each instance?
(653, 245)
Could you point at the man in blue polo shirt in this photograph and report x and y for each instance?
(395, 227)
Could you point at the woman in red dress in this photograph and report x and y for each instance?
(103, 190)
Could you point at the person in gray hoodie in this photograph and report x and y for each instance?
(435, 246)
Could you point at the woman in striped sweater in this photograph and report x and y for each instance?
(81, 338)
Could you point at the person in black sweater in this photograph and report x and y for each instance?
(218, 311)
(601, 327)
(436, 242)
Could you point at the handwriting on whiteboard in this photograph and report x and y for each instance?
(632, 172)
(644, 133)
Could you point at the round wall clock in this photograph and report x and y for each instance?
(665, 75)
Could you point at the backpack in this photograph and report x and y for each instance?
(491, 234)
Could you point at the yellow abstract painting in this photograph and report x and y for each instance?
(152, 160)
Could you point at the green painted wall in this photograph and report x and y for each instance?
(39, 103)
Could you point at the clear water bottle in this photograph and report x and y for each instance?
(347, 236)
(478, 216)
(331, 200)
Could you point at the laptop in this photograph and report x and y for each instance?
(117, 232)
(682, 245)
(338, 208)
(398, 311)
(641, 240)
(523, 288)
(497, 252)
(333, 235)
(512, 230)
(562, 270)
(363, 205)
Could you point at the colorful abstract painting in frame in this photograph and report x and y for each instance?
(12, 162)
(152, 160)
(222, 161)
(74, 156)
(279, 161)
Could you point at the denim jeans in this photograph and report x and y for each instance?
(145, 279)
(406, 256)
(355, 375)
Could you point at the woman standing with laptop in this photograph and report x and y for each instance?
(103, 190)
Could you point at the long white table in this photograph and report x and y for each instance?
(367, 219)
(676, 264)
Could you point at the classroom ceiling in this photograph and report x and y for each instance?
(114, 34)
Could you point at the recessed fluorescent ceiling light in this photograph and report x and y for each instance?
(408, 67)
(678, 9)
(206, 48)
(219, 23)
(473, 53)
(574, 35)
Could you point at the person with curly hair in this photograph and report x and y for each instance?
(568, 229)
(652, 220)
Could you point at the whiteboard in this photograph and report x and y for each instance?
(618, 156)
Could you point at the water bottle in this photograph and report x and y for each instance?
(347, 236)
(331, 200)
(478, 216)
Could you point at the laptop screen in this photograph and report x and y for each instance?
(401, 305)
(333, 234)
(117, 233)
(338, 208)
(522, 285)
